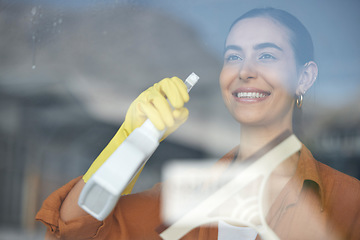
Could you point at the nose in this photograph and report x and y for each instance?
(247, 71)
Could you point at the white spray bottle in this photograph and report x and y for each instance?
(101, 193)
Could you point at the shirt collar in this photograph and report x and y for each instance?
(307, 170)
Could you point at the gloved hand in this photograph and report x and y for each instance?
(151, 104)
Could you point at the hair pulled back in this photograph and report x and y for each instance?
(300, 38)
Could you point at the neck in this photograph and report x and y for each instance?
(252, 139)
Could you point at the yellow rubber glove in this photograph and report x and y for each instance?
(151, 104)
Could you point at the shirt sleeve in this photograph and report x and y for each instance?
(136, 216)
(85, 227)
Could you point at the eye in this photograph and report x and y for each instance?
(232, 58)
(267, 56)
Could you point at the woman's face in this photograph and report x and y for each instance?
(259, 76)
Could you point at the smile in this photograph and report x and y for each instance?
(251, 95)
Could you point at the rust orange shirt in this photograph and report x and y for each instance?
(317, 203)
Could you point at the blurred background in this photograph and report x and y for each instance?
(70, 69)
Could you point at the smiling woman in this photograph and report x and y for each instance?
(268, 66)
(261, 73)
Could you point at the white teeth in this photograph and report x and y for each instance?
(250, 95)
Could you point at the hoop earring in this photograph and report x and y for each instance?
(299, 101)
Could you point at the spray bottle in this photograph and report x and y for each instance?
(101, 193)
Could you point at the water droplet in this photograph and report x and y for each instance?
(33, 11)
(60, 20)
(34, 52)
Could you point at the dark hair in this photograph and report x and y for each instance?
(300, 38)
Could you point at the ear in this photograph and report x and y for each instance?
(307, 77)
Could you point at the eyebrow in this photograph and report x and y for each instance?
(232, 47)
(256, 47)
(267, 45)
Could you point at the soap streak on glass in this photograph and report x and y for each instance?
(34, 15)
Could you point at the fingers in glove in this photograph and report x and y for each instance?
(181, 88)
(153, 114)
(164, 109)
(180, 115)
(174, 90)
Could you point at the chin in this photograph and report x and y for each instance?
(248, 117)
(249, 120)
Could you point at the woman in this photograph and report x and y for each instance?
(268, 67)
